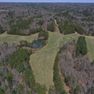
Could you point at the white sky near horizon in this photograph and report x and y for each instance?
(83, 1)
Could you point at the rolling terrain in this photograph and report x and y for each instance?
(42, 45)
(43, 60)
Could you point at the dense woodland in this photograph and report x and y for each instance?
(31, 18)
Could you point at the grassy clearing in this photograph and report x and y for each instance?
(16, 38)
(42, 61)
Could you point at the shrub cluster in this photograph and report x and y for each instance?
(36, 30)
(50, 26)
(1, 29)
(17, 58)
(58, 83)
(19, 61)
(43, 34)
(81, 46)
(2, 91)
(68, 27)
(18, 26)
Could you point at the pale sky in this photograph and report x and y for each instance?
(91, 1)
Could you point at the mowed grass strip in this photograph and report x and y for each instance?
(43, 60)
(16, 38)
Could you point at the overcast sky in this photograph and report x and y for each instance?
(47, 1)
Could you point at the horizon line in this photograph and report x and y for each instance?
(42, 2)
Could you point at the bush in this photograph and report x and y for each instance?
(81, 46)
(50, 26)
(19, 89)
(79, 29)
(40, 89)
(76, 90)
(51, 90)
(16, 60)
(67, 79)
(60, 25)
(2, 91)
(1, 29)
(36, 30)
(92, 63)
(43, 34)
(9, 78)
(40, 22)
(18, 26)
(69, 27)
(90, 90)
(29, 77)
(66, 27)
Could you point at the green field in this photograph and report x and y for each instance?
(90, 46)
(16, 38)
(42, 61)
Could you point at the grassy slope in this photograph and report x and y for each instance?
(90, 46)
